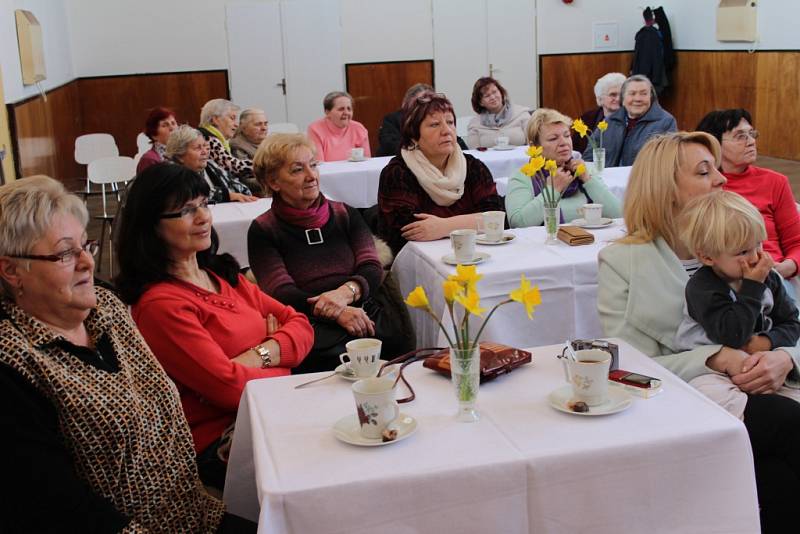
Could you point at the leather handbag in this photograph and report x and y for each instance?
(496, 359)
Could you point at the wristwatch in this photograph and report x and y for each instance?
(266, 357)
(351, 286)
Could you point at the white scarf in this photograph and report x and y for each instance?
(445, 189)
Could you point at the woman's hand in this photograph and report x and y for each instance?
(727, 360)
(764, 372)
(428, 228)
(561, 179)
(572, 166)
(331, 303)
(356, 322)
(786, 268)
(757, 343)
(241, 197)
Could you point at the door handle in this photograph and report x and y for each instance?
(282, 85)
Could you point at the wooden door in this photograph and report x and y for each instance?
(6, 152)
(378, 89)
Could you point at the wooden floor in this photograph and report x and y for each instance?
(788, 167)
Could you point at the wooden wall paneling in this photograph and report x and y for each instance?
(378, 89)
(66, 119)
(118, 105)
(567, 81)
(35, 138)
(776, 112)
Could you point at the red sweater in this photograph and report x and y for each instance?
(769, 191)
(195, 334)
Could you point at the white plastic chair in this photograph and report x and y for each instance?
(143, 143)
(461, 125)
(103, 171)
(90, 147)
(283, 127)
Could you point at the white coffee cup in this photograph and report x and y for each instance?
(363, 356)
(375, 405)
(357, 153)
(463, 243)
(502, 141)
(492, 224)
(588, 375)
(592, 213)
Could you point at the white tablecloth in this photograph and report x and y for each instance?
(566, 276)
(231, 221)
(356, 183)
(673, 463)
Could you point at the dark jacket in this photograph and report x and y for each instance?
(621, 149)
(648, 57)
(389, 136)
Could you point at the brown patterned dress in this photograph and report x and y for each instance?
(118, 415)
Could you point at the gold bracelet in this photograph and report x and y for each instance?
(351, 287)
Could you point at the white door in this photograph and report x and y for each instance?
(255, 58)
(313, 51)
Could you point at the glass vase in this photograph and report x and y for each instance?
(599, 157)
(551, 220)
(465, 367)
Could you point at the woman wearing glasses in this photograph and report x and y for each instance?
(431, 188)
(768, 190)
(94, 439)
(210, 327)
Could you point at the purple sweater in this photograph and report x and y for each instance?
(290, 270)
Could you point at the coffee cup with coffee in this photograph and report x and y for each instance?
(363, 356)
(463, 243)
(588, 374)
(375, 405)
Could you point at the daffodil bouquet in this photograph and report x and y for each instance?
(544, 182)
(579, 126)
(461, 288)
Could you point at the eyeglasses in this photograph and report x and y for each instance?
(186, 211)
(742, 136)
(68, 257)
(426, 98)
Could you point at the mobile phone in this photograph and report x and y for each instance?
(634, 379)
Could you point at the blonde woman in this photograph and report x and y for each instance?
(641, 297)
(524, 203)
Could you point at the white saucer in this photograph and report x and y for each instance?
(340, 369)
(507, 238)
(618, 400)
(506, 147)
(348, 430)
(480, 257)
(602, 223)
(357, 160)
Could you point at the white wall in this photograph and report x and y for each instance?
(386, 30)
(567, 28)
(52, 16)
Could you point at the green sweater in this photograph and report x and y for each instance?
(524, 209)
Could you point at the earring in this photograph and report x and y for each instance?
(19, 290)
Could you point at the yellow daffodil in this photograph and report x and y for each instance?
(580, 170)
(602, 125)
(534, 151)
(418, 299)
(526, 295)
(471, 302)
(579, 126)
(466, 276)
(551, 166)
(450, 289)
(533, 166)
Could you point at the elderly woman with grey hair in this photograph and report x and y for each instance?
(219, 119)
(606, 90)
(633, 124)
(337, 134)
(188, 147)
(253, 128)
(91, 425)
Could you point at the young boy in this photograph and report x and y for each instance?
(735, 299)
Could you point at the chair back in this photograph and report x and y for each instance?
(283, 127)
(143, 143)
(111, 170)
(461, 125)
(90, 147)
